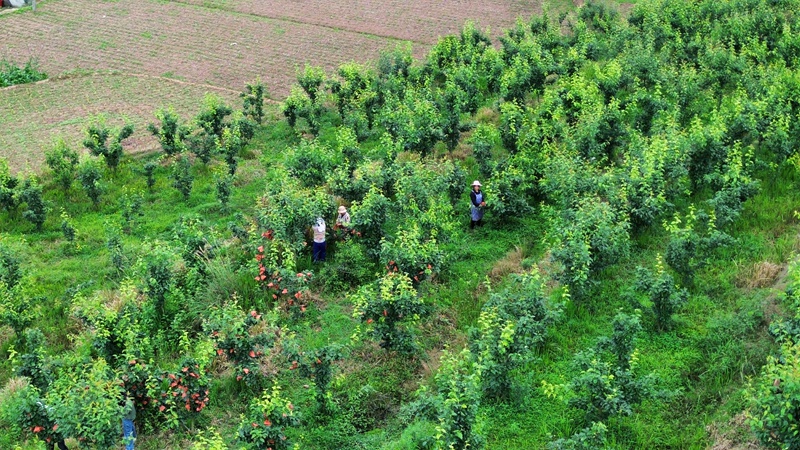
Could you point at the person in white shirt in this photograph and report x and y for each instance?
(318, 248)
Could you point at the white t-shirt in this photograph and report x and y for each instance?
(319, 231)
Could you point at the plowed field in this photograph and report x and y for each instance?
(220, 43)
(34, 115)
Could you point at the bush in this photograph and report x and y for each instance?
(130, 209)
(36, 209)
(172, 134)
(182, 178)
(412, 254)
(10, 273)
(317, 365)
(590, 438)
(97, 135)
(266, 422)
(63, 161)
(11, 74)
(90, 176)
(775, 398)
(243, 339)
(512, 324)
(8, 186)
(311, 162)
(608, 384)
(665, 298)
(253, 100)
(85, 404)
(459, 381)
(388, 309)
(349, 268)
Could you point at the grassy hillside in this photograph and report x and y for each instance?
(623, 292)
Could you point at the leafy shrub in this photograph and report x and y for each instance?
(775, 394)
(211, 118)
(608, 384)
(459, 382)
(412, 254)
(149, 172)
(130, 209)
(25, 412)
(590, 438)
(483, 141)
(512, 324)
(182, 394)
(90, 176)
(10, 273)
(8, 186)
(30, 194)
(11, 74)
(63, 161)
(266, 422)
(182, 178)
(223, 187)
(588, 238)
(15, 308)
(97, 136)
(369, 216)
(388, 309)
(690, 245)
(68, 228)
(253, 100)
(665, 298)
(171, 134)
(310, 162)
(243, 339)
(85, 404)
(317, 365)
(33, 363)
(413, 120)
(350, 267)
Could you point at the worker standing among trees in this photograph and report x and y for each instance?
(478, 200)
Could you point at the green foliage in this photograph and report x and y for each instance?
(182, 394)
(33, 363)
(85, 404)
(388, 309)
(253, 100)
(483, 140)
(8, 186)
(149, 172)
(288, 210)
(15, 308)
(68, 228)
(590, 438)
(588, 238)
(171, 134)
(232, 141)
(223, 187)
(317, 365)
(182, 177)
(349, 268)
(35, 209)
(130, 209)
(512, 325)
(267, 420)
(90, 175)
(459, 386)
(25, 412)
(412, 254)
(775, 394)
(413, 120)
(97, 136)
(211, 118)
(243, 339)
(369, 216)
(311, 162)
(11, 74)
(664, 296)
(608, 383)
(10, 273)
(690, 246)
(63, 161)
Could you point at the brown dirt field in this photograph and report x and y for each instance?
(417, 21)
(34, 115)
(222, 43)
